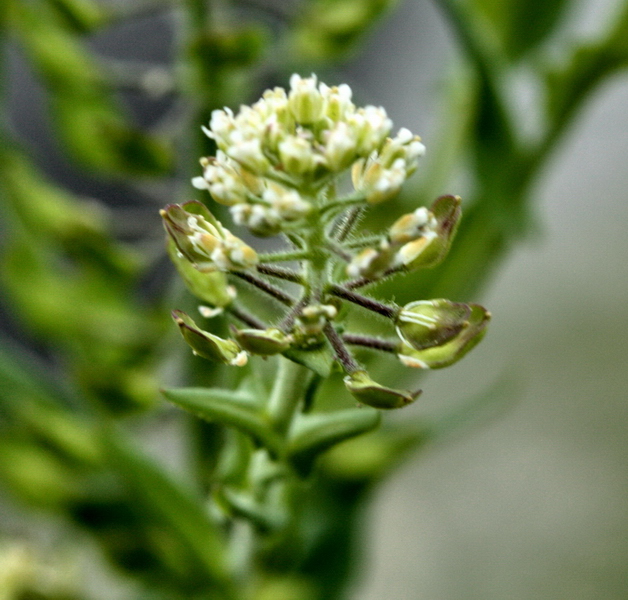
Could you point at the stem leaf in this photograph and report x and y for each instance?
(313, 434)
(230, 408)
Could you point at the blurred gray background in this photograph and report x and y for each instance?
(533, 505)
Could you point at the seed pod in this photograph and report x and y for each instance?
(367, 391)
(264, 342)
(208, 345)
(428, 323)
(452, 350)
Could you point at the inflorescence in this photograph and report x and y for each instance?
(278, 167)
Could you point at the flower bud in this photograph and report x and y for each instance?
(206, 344)
(249, 154)
(200, 237)
(296, 155)
(264, 342)
(378, 183)
(367, 391)
(309, 325)
(434, 238)
(427, 323)
(371, 263)
(337, 101)
(340, 147)
(451, 351)
(305, 100)
(260, 220)
(222, 180)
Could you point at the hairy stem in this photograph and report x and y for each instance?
(368, 303)
(270, 289)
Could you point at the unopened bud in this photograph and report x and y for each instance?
(305, 100)
(434, 238)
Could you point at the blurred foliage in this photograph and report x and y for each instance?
(79, 375)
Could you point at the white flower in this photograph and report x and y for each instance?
(296, 155)
(340, 147)
(305, 100)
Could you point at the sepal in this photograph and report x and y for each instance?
(200, 238)
(211, 287)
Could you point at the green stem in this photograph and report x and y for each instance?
(284, 256)
(289, 390)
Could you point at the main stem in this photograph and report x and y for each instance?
(289, 390)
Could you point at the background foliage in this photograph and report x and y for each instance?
(87, 290)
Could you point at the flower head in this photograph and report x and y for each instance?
(278, 167)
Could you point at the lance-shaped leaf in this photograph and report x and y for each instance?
(428, 323)
(451, 351)
(265, 517)
(170, 508)
(431, 246)
(313, 434)
(319, 359)
(207, 345)
(367, 391)
(229, 408)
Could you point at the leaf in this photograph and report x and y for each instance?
(313, 434)
(521, 25)
(318, 360)
(81, 16)
(229, 408)
(168, 505)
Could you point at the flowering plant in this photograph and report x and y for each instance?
(279, 168)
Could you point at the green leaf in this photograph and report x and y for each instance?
(318, 360)
(79, 227)
(242, 504)
(81, 16)
(521, 25)
(328, 30)
(99, 136)
(313, 434)
(170, 506)
(230, 408)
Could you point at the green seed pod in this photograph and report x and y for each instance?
(210, 287)
(263, 342)
(452, 350)
(428, 323)
(367, 391)
(206, 344)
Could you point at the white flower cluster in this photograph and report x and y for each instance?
(218, 249)
(271, 153)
